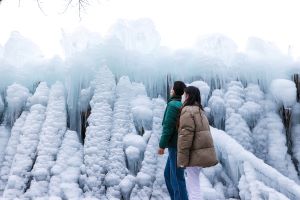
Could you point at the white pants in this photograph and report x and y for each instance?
(193, 183)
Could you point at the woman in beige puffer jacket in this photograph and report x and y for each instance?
(195, 143)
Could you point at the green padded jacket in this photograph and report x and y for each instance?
(169, 134)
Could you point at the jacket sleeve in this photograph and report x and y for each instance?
(185, 138)
(169, 125)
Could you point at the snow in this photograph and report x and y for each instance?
(284, 92)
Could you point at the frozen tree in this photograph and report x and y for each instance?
(98, 134)
(234, 97)
(122, 125)
(66, 171)
(147, 174)
(251, 112)
(237, 128)
(52, 132)
(11, 149)
(40, 97)
(25, 156)
(284, 92)
(159, 191)
(254, 93)
(270, 144)
(217, 107)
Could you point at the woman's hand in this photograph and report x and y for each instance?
(161, 151)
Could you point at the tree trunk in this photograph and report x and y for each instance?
(296, 78)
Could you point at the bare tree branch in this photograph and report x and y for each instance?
(81, 6)
(40, 7)
(67, 6)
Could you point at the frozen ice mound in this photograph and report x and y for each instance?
(284, 92)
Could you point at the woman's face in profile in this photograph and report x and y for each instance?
(185, 96)
(172, 93)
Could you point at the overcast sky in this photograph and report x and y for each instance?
(179, 22)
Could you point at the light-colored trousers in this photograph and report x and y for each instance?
(193, 183)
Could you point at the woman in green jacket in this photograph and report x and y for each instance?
(174, 176)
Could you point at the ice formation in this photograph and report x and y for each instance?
(114, 82)
(25, 156)
(284, 92)
(16, 100)
(52, 132)
(66, 171)
(98, 134)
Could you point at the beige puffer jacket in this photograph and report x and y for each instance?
(195, 143)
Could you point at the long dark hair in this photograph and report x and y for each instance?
(194, 97)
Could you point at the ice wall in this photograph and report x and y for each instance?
(133, 48)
